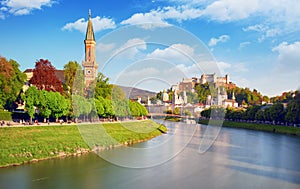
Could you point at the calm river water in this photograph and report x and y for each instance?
(237, 159)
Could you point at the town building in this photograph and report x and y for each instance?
(165, 97)
(188, 84)
(90, 65)
(212, 78)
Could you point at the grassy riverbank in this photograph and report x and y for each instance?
(20, 145)
(260, 127)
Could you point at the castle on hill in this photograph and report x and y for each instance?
(188, 85)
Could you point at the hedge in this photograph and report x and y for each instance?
(5, 115)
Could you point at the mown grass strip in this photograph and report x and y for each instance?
(20, 145)
(260, 127)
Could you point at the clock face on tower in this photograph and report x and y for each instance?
(88, 72)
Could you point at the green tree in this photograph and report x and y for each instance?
(74, 79)
(58, 105)
(137, 110)
(251, 112)
(31, 99)
(102, 87)
(191, 97)
(99, 104)
(277, 112)
(77, 104)
(119, 102)
(109, 111)
(187, 113)
(121, 107)
(293, 112)
(11, 82)
(93, 113)
(86, 108)
(260, 115)
(202, 90)
(43, 104)
(176, 111)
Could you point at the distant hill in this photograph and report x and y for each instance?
(133, 93)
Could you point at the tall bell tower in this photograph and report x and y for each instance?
(89, 64)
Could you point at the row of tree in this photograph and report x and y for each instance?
(276, 113)
(53, 104)
(48, 103)
(72, 100)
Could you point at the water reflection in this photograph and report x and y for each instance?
(238, 159)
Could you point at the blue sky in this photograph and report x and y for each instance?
(257, 42)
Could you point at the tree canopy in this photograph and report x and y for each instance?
(44, 77)
(74, 79)
(11, 82)
(48, 103)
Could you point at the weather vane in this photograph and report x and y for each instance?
(90, 13)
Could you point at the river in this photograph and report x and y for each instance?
(238, 158)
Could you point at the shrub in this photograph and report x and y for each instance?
(5, 115)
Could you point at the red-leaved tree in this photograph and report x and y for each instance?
(44, 77)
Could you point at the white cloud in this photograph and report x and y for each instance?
(21, 12)
(3, 9)
(131, 48)
(257, 27)
(221, 39)
(98, 24)
(223, 66)
(24, 7)
(239, 67)
(230, 10)
(273, 17)
(101, 47)
(180, 13)
(234, 68)
(241, 81)
(148, 20)
(244, 44)
(177, 53)
(159, 17)
(141, 73)
(187, 70)
(288, 57)
(265, 30)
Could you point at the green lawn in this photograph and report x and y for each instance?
(23, 144)
(260, 127)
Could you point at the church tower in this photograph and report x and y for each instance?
(90, 65)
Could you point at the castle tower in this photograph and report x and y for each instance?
(90, 65)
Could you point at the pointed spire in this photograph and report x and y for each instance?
(90, 32)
